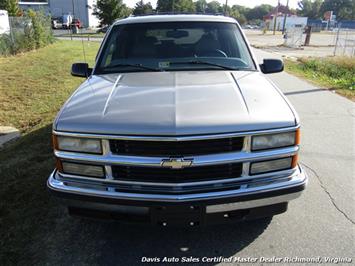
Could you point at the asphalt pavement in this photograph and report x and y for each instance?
(321, 223)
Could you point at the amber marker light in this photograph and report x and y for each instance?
(297, 142)
(298, 137)
(58, 165)
(294, 161)
(54, 142)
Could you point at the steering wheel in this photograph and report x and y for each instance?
(214, 53)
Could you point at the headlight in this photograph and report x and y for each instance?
(271, 165)
(83, 169)
(272, 141)
(78, 144)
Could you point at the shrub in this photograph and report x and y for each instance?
(339, 71)
(32, 31)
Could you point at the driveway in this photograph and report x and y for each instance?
(319, 224)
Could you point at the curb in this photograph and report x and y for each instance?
(8, 134)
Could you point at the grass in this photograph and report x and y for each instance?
(335, 73)
(84, 35)
(33, 86)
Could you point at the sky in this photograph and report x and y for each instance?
(248, 3)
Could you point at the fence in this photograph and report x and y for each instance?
(14, 39)
(26, 33)
(344, 42)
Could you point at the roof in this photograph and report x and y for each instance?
(33, 3)
(174, 18)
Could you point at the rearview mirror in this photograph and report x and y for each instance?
(272, 66)
(81, 70)
(177, 34)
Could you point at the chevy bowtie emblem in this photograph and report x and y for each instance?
(176, 163)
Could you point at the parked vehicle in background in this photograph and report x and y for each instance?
(4, 22)
(77, 23)
(57, 23)
(176, 124)
(67, 20)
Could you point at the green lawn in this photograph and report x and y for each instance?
(336, 73)
(33, 86)
(85, 35)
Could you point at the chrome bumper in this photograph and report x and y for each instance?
(278, 191)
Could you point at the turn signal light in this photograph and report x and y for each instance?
(294, 161)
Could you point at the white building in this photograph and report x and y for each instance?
(291, 22)
(81, 9)
(37, 6)
(4, 22)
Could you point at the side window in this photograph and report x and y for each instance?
(241, 48)
(108, 58)
(111, 48)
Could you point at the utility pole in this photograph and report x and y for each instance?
(284, 26)
(72, 1)
(225, 8)
(275, 15)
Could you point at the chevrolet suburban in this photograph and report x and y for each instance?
(177, 123)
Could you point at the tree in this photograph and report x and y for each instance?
(214, 7)
(237, 13)
(343, 9)
(142, 8)
(110, 10)
(200, 6)
(165, 5)
(3, 4)
(259, 12)
(310, 9)
(186, 5)
(352, 12)
(11, 6)
(175, 6)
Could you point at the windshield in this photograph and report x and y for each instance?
(174, 46)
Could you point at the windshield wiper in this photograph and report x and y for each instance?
(199, 62)
(134, 65)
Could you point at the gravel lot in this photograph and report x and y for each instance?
(321, 44)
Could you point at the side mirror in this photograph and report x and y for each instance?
(272, 66)
(81, 70)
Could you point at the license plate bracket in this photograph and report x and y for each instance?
(189, 215)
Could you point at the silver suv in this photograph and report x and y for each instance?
(176, 124)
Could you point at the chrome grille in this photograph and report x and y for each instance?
(176, 148)
(166, 175)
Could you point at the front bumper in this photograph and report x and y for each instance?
(251, 198)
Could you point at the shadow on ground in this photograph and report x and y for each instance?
(113, 243)
(34, 229)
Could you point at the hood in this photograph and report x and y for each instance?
(175, 103)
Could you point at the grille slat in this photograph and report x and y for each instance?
(166, 175)
(176, 148)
